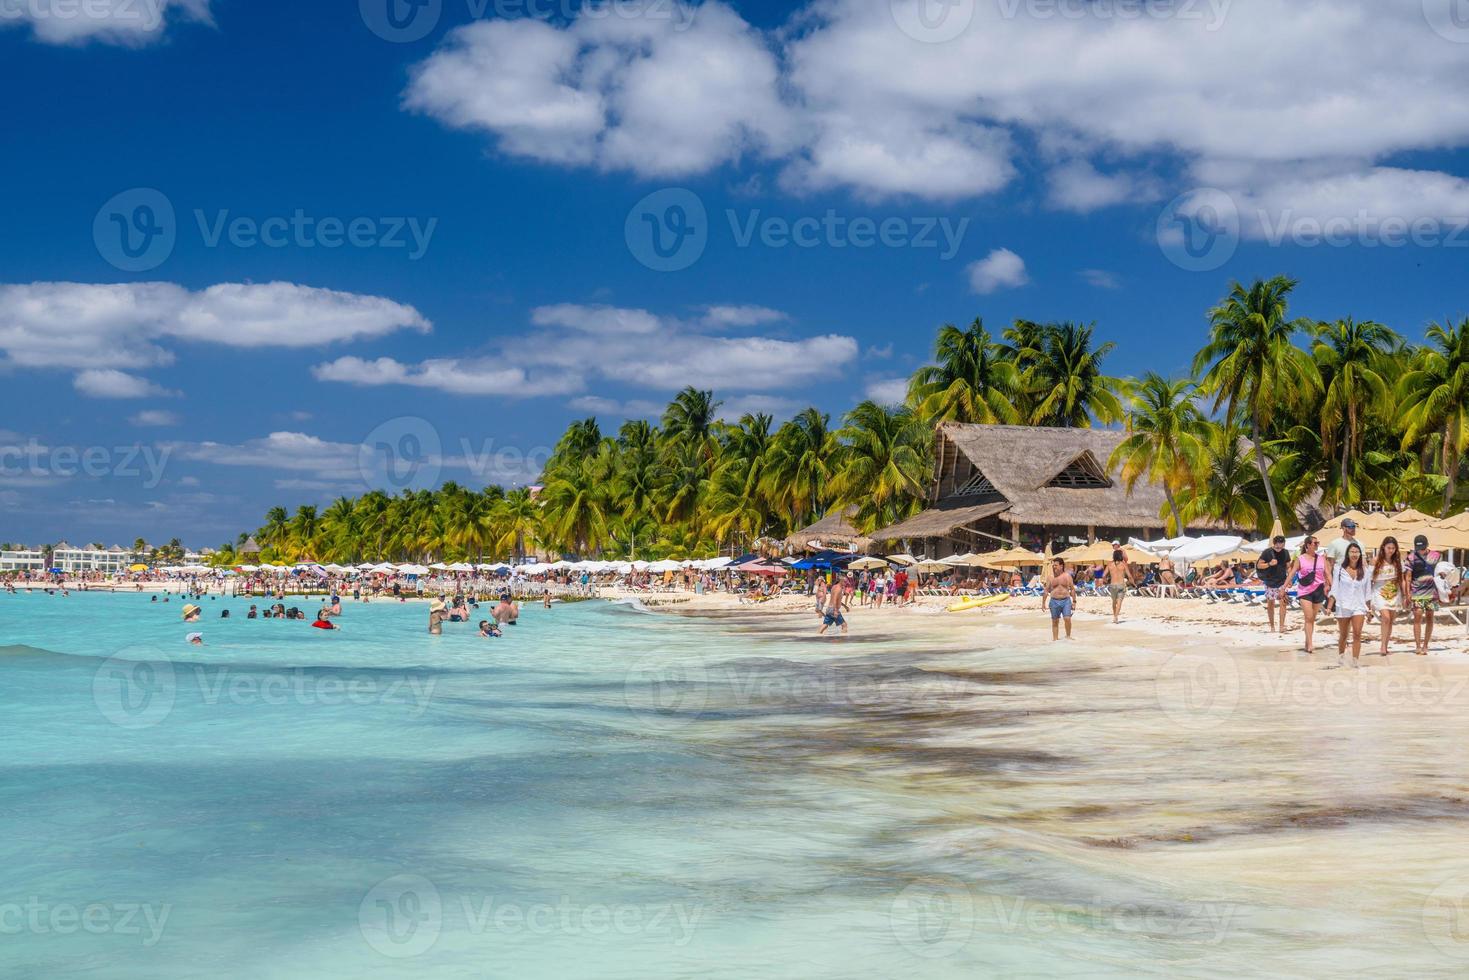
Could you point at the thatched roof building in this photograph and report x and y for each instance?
(835, 530)
(995, 482)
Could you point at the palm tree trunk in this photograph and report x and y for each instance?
(1260, 463)
(1451, 468)
(1173, 509)
(1342, 491)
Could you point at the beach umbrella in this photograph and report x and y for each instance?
(930, 566)
(1206, 548)
(764, 568)
(1458, 522)
(1335, 523)
(1011, 558)
(903, 559)
(868, 564)
(1411, 516)
(413, 569)
(138, 568)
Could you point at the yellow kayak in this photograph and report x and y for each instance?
(978, 602)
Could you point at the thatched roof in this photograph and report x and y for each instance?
(249, 547)
(834, 528)
(938, 521)
(1033, 476)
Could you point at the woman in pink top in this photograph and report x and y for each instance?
(1313, 584)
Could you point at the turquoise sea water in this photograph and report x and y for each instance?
(605, 792)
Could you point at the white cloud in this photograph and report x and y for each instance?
(1096, 104)
(1100, 278)
(156, 417)
(741, 316)
(485, 376)
(295, 451)
(110, 383)
(655, 95)
(120, 326)
(576, 345)
(887, 391)
(125, 22)
(734, 409)
(636, 408)
(1001, 269)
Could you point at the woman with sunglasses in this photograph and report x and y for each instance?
(1312, 571)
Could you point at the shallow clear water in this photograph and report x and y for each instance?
(605, 792)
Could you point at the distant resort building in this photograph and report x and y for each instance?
(998, 484)
(22, 560)
(71, 559)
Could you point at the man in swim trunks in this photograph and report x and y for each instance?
(1422, 593)
(1273, 567)
(1060, 598)
(831, 614)
(1120, 574)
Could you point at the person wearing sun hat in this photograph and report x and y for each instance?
(191, 613)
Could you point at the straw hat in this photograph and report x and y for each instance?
(190, 610)
(436, 605)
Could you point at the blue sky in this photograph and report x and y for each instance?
(1019, 167)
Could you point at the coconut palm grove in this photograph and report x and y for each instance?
(1282, 408)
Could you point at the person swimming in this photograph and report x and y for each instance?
(195, 639)
(487, 629)
(323, 622)
(191, 613)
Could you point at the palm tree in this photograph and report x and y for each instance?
(1352, 360)
(518, 518)
(1167, 440)
(1066, 379)
(1434, 399)
(575, 507)
(737, 504)
(303, 531)
(972, 381)
(1231, 492)
(800, 465)
(885, 464)
(1250, 365)
(273, 532)
(690, 418)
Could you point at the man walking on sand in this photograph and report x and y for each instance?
(831, 613)
(1273, 569)
(1120, 575)
(1060, 598)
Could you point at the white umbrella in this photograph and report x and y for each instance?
(930, 566)
(1203, 549)
(666, 565)
(867, 564)
(640, 566)
(413, 569)
(386, 568)
(714, 563)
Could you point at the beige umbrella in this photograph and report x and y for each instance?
(902, 559)
(1101, 551)
(1411, 516)
(1012, 558)
(931, 566)
(1335, 523)
(867, 564)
